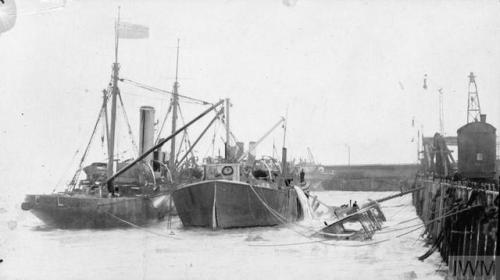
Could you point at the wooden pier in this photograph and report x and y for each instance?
(461, 218)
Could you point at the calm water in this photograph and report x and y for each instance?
(31, 252)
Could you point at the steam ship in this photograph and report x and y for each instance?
(236, 193)
(117, 193)
(224, 200)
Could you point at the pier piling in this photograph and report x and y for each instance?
(461, 218)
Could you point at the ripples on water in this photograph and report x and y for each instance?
(31, 251)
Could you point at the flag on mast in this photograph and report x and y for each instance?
(128, 30)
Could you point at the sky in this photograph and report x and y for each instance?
(344, 73)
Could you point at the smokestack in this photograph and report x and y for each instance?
(241, 149)
(483, 118)
(146, 131)
(284, 163)
(252, 150)
(158, 156)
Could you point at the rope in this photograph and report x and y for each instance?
(139, 227)
(449, 213)
(434, 247)
(395, 206)
(285, 222)
(398, 229)
(400, 211)
(409, 220)
(277, 215)
(323, 241)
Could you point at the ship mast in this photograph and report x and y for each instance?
(227, 153)
(284, 170)
(175, 104)
(114, 92)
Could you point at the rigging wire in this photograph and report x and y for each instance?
(221, 119)
(207, 151)
(79, 170)
(183, 139)
(163, 123)
(104, 135)
(186, 136)
(70, 163)
(134, 145)
(158, 90)
(213, 139)
(199, 137)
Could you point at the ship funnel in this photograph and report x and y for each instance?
(158, 156)
(146, 131)
(483, 118)
(252, 150)
(284, 163)
(240, 149)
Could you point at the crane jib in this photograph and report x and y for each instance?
(109, 181)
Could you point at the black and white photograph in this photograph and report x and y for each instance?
(234, 139)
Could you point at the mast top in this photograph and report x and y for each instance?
(117, 25)
(174, 106)
(177, 62)
(114, 92)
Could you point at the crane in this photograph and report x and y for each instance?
(310, 156)
(250, 150)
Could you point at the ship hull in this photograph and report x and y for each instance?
(230, 204)
(74, 212)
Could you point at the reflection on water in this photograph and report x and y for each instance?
(33, 251)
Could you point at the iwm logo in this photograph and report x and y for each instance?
(472, 267)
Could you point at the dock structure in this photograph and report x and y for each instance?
(460, 218)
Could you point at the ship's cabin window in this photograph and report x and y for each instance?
(479, 156)
(353, 226)
(223, 171)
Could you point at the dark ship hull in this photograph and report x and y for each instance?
(86, 211)
(231, 204)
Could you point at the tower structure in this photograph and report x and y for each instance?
(473, 106)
